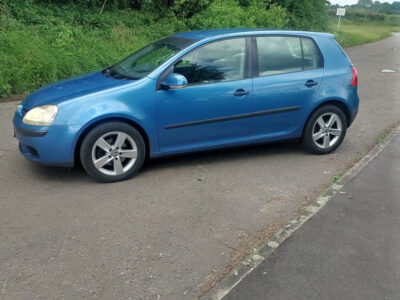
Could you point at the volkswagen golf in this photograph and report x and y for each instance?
(193, 91)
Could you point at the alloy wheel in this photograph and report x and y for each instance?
(114, 153)
(327, 130)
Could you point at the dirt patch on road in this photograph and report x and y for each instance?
(13, 98)
(239, 254)
(255, 240)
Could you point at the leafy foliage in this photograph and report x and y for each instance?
(42, 41)
(227, 14)
(306, 14)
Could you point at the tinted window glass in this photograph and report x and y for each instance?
(218, 61)
(144, 61)
(278, 55)
(312, 58)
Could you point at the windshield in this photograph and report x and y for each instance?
(144, 61)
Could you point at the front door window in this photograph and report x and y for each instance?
(214, 62)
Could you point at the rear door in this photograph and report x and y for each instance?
(287, 75)
(215, 107)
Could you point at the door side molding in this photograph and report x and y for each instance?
(235, 117)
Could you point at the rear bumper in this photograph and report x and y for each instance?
(53, 145)
(353, 115)
(353, 104)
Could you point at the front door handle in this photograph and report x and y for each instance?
(310, 83)
(240, 92)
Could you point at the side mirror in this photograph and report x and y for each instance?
(174, 81)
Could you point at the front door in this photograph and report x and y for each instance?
(215, 107)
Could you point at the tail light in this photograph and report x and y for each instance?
(354, 79)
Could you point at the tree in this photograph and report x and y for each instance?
(365, 3)
(306, 14)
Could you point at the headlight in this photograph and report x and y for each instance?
(41, 115)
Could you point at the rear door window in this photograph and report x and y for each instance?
(286, 54)
(278, 55)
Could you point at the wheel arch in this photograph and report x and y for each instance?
(88, 128)
(337, 103)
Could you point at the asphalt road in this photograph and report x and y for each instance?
(165, 232)
(348, 250)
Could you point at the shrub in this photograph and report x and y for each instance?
(306, 14)
(227, 14)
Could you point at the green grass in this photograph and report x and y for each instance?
(352, 34)
(336, 178)
(40, 56)
(34, 55)
(381, 138)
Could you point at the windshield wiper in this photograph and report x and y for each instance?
(107, 72)
(112, 73)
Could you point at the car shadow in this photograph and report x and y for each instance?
(77, 173)
(50, 173)
(224, 155)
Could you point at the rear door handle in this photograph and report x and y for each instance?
(310, 83)
(240, 92)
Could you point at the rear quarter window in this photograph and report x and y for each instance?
(312, 56)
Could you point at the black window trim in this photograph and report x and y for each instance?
(255, 66)
(248, 67)
(302, 54)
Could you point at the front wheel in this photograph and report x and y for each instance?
(325, 130)
(112, 151)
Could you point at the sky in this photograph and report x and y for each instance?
(350, 2)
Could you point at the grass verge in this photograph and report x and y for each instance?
(352, 34)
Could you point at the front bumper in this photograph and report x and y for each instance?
(53, 145)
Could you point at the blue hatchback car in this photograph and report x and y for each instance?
(193, 91)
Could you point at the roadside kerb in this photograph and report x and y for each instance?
(260, 254)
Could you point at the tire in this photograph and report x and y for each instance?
(322, 135)
(112, 151)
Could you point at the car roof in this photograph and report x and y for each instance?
(228, 32)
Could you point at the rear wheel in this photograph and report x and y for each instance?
(325, 130)
(112, 151)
